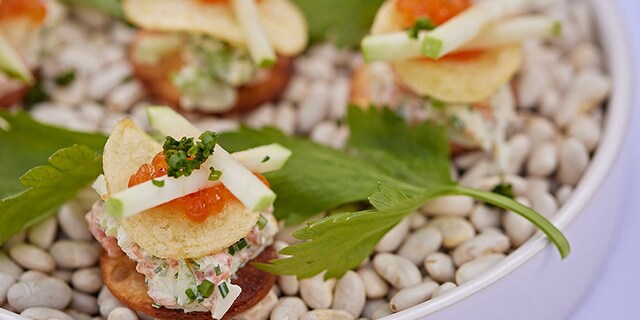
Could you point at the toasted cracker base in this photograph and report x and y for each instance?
(157, 80)
(128, 286)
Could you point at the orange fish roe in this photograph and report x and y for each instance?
(35, 9)
(438, 11)
(197, 206)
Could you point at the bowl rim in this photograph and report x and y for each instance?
(614, 38)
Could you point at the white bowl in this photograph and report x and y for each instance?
(533, 282)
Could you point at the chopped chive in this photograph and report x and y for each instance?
(205, 288)
(217, 270)
(195, 264)
(437, 104)
(265, 159)
(232, 249)
(420, 24)
(66, 78)
(215, 174)
(158, 269)
(156, 306)
(224, 290)
(262, 222)
(242, 243)
(191, 295)
(158, 183)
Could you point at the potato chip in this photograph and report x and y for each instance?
(161, 231)
(284, 23)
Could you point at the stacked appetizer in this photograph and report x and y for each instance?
(188, 216)
(21, 26)
(453, 61)
(215, 56)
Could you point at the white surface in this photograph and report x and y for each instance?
(616, 292)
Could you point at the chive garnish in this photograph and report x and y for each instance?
(242, 243)
(217, 270)
(157, 183)
(66, 78)
(265, 159)
(185, 155)
(195, 264)
(191, 295)
(224, 290)
(156, 306)
(232, 249)
(205, 288)
(262, 222)
(215, 174)
(420, 24)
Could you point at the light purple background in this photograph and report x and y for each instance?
(616, 293)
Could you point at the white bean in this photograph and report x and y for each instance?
(262, 117)
(585, 56)
(289, 308)
(324, 132)
(48, 292)
(77, 315)
(317, 293)
(289, 285)
(393, 239)
(122, 97)
(519, 185)
(107, 302)
(375, 286)
(574, 159)
(32, 275)
(16, 239)
(398, 271)
(84, 302)
(339, 97)
(74, 254)
(516, 227)
(482, 244)
(32, 257)
(314, 68)
(444, 288)
(314, 108)
(449, 206)
(477, 267)
(297, 89)
(40, 313)
(72, 222)
(454, 230)
(540, 129)
(8, 266)
(545, 204)
(122, 314)
(372, 305)
(483, 217)
(382, 311)
(64, 275)
(587, 91)
(327, 314)
(87, 280)
(563, 194)
(543, 160)
(6, 281)
(411, 296)
(586, 130)
(43, 233)
(417, 220)
(285, 118)
(261, 310)
(519, 147)
(440, 267)
(350, 294)
(102, 82)
(537, 185)
(550, 101)
(421, 243)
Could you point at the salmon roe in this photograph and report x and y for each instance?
(34, 9)
(197, 206)
(438, 11)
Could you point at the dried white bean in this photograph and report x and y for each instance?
(519, 147)
(444, 288)
(537, 185)
(563, 194)
(315, 106)
(382, 311)
(122, 314)
(289, 308)
(261, 310)
(48, 292)
(543, 160)
(64, 275)
(585, 55)
(417, 220)
(449, 206)
(324, 132)
(32, 257)
(285, 118)
(398, 271)
(32, 275)
(533, 81)
(440, 267)
(454, 230)
(372, 305)
(519, 185)
(540, 129)
(262, 117)
(123, 97)
(102, 82)
(72, 222)
(87, 280)
(317, 293)
(411, 296)
(587, 91)
(84, 302)
(477, 267)
(482, 244)
(8, 266)
(393, 239)
(43, 233)
(340, 137)
(75, 254)
(40, 313)
(315, 68)
(339, 97)
(297, 89)
(550, 102)
(107, 302)
(574, 159)
(421, 243)
(77, 315)
(350, 294)
(375, 286)
(586, 130)
(16, 239)
(516, 227)
(483, 217)
(6, 281)
(545, 204)
(327, 314)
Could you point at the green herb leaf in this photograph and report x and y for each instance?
(48, 187)
(28, 144)
(158, 183)
(66, 78)
(345, 26)
(205, 288)
(421, 24)
(215, 174)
